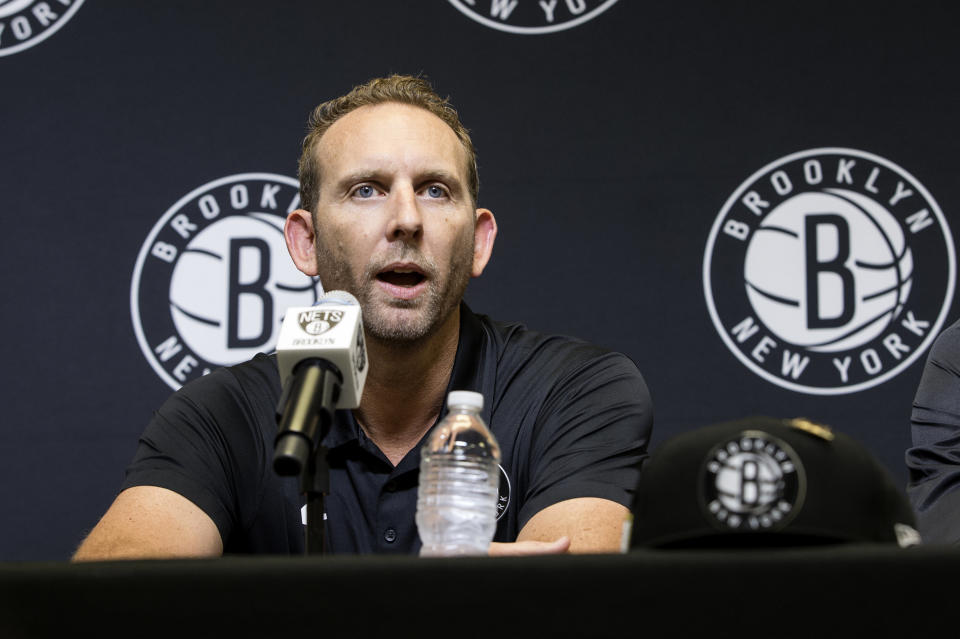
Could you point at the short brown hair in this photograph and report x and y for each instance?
(403, 89)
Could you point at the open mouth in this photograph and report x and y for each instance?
(406, 278)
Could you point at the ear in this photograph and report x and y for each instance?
(484, 234)
(301, 241)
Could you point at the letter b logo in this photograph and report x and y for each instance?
(828, 270)
(829, 281)
(254, 254)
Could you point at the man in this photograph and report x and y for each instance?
(389, 185)
(934, 459)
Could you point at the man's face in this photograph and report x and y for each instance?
(394, 218)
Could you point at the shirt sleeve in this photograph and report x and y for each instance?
(195, 445)
(934, 459)
(591, 435)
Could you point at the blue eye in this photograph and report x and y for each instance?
(365, 191)
(435, 191)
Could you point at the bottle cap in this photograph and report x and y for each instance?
(468, 399)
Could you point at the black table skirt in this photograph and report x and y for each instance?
(856, 591)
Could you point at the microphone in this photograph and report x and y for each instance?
(322, 360)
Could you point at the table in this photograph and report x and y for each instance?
(856, 591)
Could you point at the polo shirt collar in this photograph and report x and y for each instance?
(467, 374)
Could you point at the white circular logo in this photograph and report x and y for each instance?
(503, 494)
(829, 271)
(24, 23)
(530, 18)
(752, 482)
(214, 279)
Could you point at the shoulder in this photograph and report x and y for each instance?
(252, 387)
(550, 356)
(939, 381)
(942, 365)
(256, 374)
(545, 374)
(946, 347)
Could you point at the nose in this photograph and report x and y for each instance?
(406, 222)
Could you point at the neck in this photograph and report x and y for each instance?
(405, 387)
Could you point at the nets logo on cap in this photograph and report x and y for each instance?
(752, 482)
(829, 271)
(530, 18)
(24, 23)
(213, 278)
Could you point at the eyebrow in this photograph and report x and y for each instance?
(358, 176)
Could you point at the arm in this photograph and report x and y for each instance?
(591, 437)
(151, 522)
(581, 525)
(592, 524)
(196, 463)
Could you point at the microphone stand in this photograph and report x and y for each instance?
(304, 414)
(315, 484)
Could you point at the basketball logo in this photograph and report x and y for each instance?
(318, 322)
(532, 18)
(753, 482)
(24, 23)
(829, 271)
(817, 309)
(213, 278)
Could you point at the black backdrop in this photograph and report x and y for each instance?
(607, 150)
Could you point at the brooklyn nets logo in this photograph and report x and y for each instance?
(320, 321)
(752, 482)
(829, 271)
(529, 17)
(214, 279)
(24, 23)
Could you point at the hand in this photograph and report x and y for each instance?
(522, 548)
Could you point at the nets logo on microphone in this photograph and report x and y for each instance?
(213, 279)
(319, 322)
(829, 271)
(531, 18)
(25, 23)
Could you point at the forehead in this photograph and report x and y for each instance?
(389, 137)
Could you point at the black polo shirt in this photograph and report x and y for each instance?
(572, 420)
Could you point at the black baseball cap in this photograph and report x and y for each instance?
(767, 481)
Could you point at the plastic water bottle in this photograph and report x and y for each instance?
(459, 482)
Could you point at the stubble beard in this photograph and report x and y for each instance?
(401, 322)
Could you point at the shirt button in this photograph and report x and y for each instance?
(390, 535)
(391, 486)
